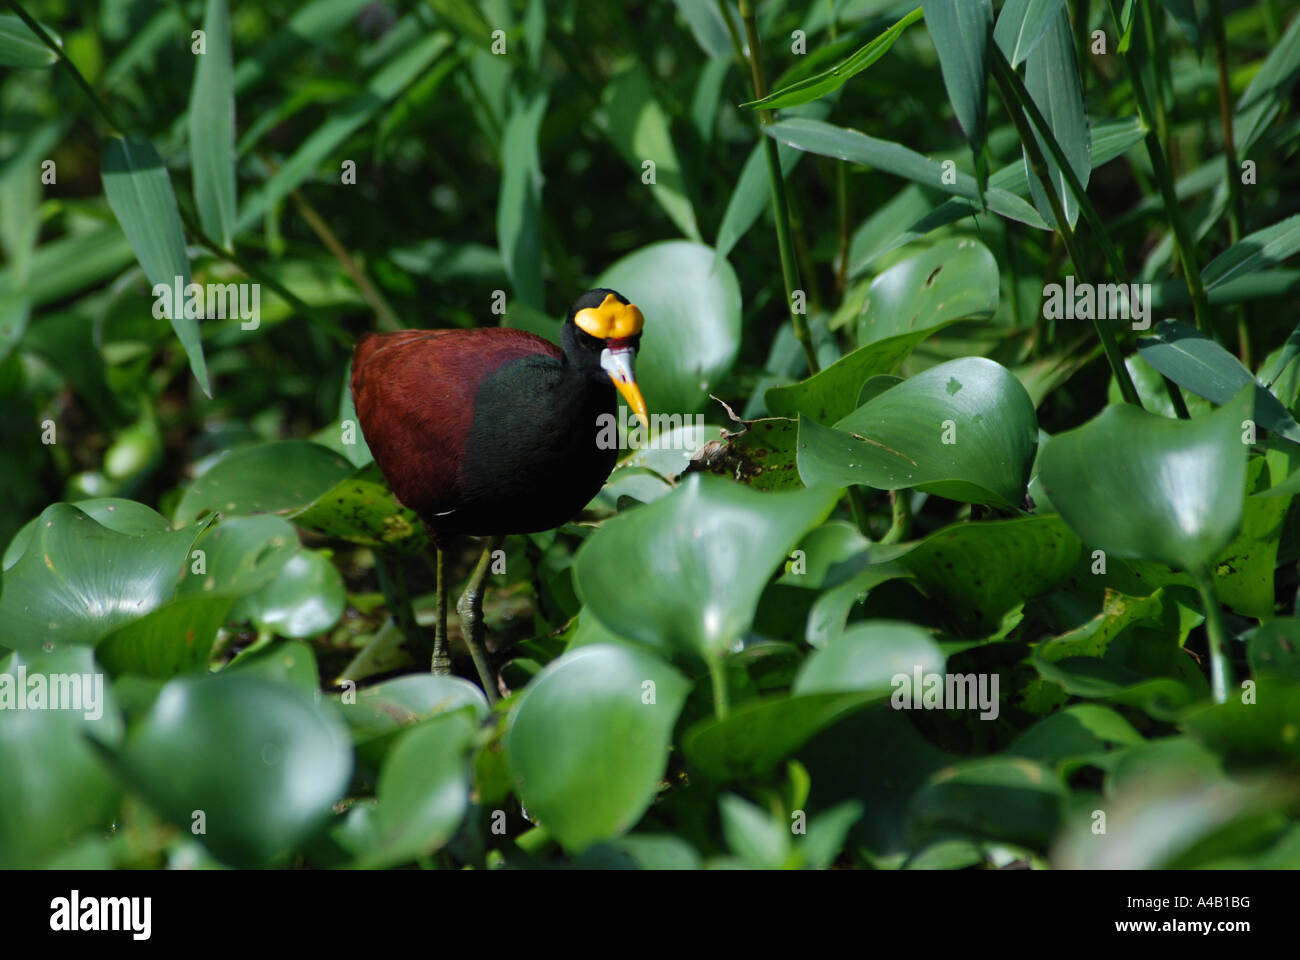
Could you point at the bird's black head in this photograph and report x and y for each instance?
(603, 328)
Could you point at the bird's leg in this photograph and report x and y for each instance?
(441, 653)
(470, 608)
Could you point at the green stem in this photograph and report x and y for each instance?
(900, 527)
(1039, 166)
(1221, 676)
(718, 673)
(780, 211)
(1184, 243)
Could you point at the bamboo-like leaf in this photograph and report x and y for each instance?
(212, 127)
(825, 82)
(1257, 251)
(19, 47)
(960, 30)
(1052, 78)
(1021, 25)
(139, 191)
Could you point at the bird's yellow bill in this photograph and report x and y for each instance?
(632, 394)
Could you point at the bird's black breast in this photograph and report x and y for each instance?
(531, 459)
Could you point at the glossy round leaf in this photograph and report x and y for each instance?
(77, 581)
(361, 509)
(113, 513)
(280, 477)
(588, 742)
(1138, 485)
(692, 321)
(965, 429)
(261, 761)
(684, 574)
(304, 598)
(55, 789)
(867, 657)
(238, 556)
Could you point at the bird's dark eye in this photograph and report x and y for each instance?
(587, 341)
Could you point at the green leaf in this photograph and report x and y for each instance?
(1263, 731)
(361, 509)
(387, 83)
(960, 31)
(1021, 25)
(379, 714)
(1269, 90)
(212, 127)
(684, 574)
(762, 455)
(588, 742)
(305, 597)
(175, 638)
(423, 795)
(750, 741)
(56, 790)
(1008, 799)
(1257, 251)
(139, 191)
(700, 307)
(1082, 734)
(953, 280)
(1052, 79)
(980, 571)
(754, 834)
(1138, 485)
(519, 209)
(279, 477)
(1195, 362)
(1274, 648)
(707, 27)
(894, 158)
(114, 513)
(20, 47)
(238, 556)
(638, 127)
(273, 764)
(818, 85)
(897, 439)
(78, 580)
(868, 657)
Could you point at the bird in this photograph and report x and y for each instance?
(492, 431)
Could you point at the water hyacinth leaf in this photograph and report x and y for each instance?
(1021, 25)
(56, 788)
(139, 192)
(21, 48)
(977, 572)
(965, 429)
(856, 147)
(1052, 79)
(175, 638)
(761, 455)
(960, 31)
(114, 513)
(954, 280)
(273, 764)
(304, 598)
(1199, 364)
(756, 736)
(1185, 479)
(638, 127)
(869, 656)
(811, 88)
(212, 127)
(422, 794)
(78, 580)
(519, 209)
(1274, 648)
(700, 307)
(238, 556)
(382, 712)
(1012, 799)
(684, 573)
(280, 477)
(588, 742)
(361, 509)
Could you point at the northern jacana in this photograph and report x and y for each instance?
(493, 431)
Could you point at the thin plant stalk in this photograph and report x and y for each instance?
(1221, 676)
